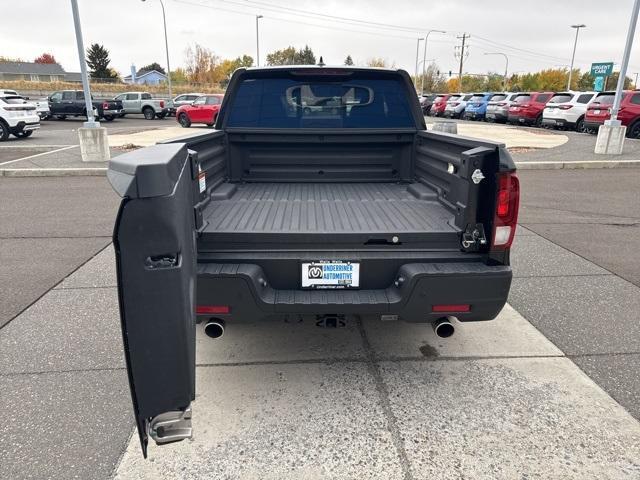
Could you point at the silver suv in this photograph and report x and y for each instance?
(498, 106)
(456, 105)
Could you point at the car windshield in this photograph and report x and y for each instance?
(606, 98)
(561, 98)
(321, 103)
(522, 98)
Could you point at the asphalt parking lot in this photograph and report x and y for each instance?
(548, 390)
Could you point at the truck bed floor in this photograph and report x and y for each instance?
(365, 213)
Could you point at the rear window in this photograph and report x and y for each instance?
(14, 100)
(304, 103)
(453, 98)
(522, 98)
(146, 96)
(543, 97)
(585, 98)
(467, 97)
(498, 97)
(477, 98)
(439, 98)
(606, 98)
(561, 98)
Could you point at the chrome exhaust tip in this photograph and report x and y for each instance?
(214, 328)
(443, 327)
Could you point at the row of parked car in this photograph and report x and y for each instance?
(580, 111)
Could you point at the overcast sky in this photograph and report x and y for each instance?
(535, 35)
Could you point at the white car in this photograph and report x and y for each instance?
(498, 107)
(17, 117)
(42, 106)
(456, 105)
(567, 110)
(184, 99)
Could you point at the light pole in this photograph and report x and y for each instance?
(506, 67)
(91, 121)
(635, 83)
(424, 57)
(573, 55)
(166, 48)
(417, 55)
(258, 17)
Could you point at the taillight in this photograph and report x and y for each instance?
(506, 214)
(565, 107)
(161, 103)
(105, 106)
(212, 309)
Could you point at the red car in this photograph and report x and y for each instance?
(629, 114)
(439, 104)
(527, 108)
(204, 109)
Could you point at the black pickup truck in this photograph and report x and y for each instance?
(70, 103)
(320, 195)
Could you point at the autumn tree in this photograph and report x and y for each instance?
(45, 58)
(379, 62)
(10, 59)
(348, 61)
(98, 61)
(291, 56)
(179, 75)
(201, 65)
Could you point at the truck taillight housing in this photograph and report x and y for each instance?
(161, 103)
(105, 106)
(506, 214)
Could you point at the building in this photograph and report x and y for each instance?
(32, 72)
(152, 77)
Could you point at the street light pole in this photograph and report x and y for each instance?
(166, 48)
(573, 55)
(424, 57)
(625, 63)
(506, 67)
(91, 121)
(258, 17)
(417, 55)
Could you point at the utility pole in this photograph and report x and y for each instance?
(417, 55)
(424, 58)
(462, 58)
(635, 83)
(573, 55)
(258, 17)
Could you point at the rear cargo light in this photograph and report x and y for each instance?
(212, 309)
(161, 103)
(506, 215)
(456, 308)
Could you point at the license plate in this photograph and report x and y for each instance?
(552, 110)
(596, 112)
(330, 274)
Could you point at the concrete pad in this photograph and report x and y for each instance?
(581, 315)
(64, 330)
(100, 271)
(279, 341)
(508, 335)
(618, 375)
(508, 419)
(311, 421)
(521, 231)
(535, 256)
(150, 137)
(29, 267)
(63, 426)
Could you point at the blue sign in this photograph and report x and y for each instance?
(598, 84)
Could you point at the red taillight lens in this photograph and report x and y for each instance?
(506, 215)
(161, 103)
(212, 309)
(565, 107)
(458, 308)
(105, 106)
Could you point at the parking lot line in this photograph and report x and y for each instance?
(38, 154)
(12, 146)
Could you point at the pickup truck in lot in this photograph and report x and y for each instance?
(320, 196)
(142, 102)
(70, 103)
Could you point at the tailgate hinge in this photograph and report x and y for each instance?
(473, 236)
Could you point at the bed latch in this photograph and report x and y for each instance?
(473, 236)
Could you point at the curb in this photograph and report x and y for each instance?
(578, 165)
(53, 172)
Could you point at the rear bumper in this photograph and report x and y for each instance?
(473, 115)
(497, 115)
(592, 125)
(112, 112)
(24, 127)
(521, 119)
(557, 122)
(246, 290)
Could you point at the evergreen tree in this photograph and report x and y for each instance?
(348, 60)
(98, 61)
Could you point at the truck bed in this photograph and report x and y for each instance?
(368, 214)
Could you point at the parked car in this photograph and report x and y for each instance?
(476, 108)
(144, 103)
(498, 107)
(456, 105)
(629, 114)
(17, 117)
(42, 106)
(71, 103)
(527, 108)
(184, 99)
(264, 219)
(204, 109)
(439, 104)
(567, 110)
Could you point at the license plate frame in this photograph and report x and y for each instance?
(330, 274)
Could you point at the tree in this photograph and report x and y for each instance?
(291, 56)
(202, 65)
(433, 81)
(45, 58)
(348, 60)
(586, 81)
(612, 82)
(98, 61)
(152, 66)
(379, 62)
(179, 75)
(227, 67)
(10, 59)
